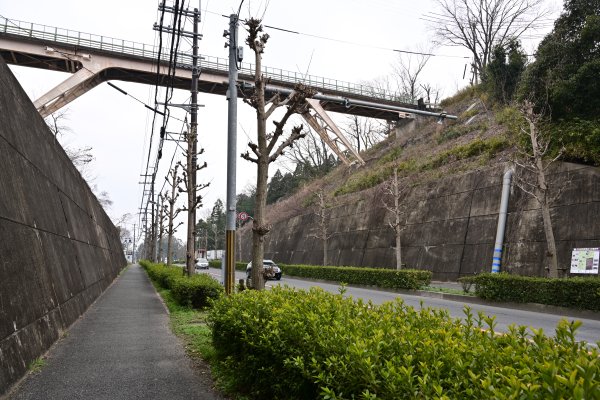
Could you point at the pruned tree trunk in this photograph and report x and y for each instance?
(259, 227)
(542, 192)
(535, 183)
(161, 230)
(323, 225)
(398, 221)
(398, 208)
(172, 213)
(264, 149)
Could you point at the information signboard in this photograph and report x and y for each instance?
(585, 261)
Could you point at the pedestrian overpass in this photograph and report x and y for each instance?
(93, 59)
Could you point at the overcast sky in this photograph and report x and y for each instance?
(118, 128)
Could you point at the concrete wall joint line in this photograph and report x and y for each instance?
(58, 307)
(464, 243)
(55, 234)
(41, 172)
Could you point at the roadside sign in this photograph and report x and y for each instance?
(585, 261)
(243, 216)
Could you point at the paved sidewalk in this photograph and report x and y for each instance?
(121, 348)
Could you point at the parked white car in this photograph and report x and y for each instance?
(202, 263)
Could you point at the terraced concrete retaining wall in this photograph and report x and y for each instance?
(451, 226)
(58, 248)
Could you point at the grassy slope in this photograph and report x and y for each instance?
(423, 155)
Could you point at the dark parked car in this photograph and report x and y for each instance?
(270, 270)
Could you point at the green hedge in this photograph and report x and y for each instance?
(239, 266)
(196, 291)
(385, 278)
(578, 292)
(289, 344)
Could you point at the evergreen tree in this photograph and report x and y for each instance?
(565, 73)
(504, 71)
(216, 226)
(563, 82)
(276, 188)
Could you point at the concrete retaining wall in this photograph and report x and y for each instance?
(58, 248)
(451, 226)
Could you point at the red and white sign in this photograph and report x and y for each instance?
(243, 216)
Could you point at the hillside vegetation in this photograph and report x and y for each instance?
(478, 139)
(561, 84)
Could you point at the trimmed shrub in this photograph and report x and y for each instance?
(380, 277)
(162, 274)
(196, 291)
(290, 344)
(467, 282)
(578, 292)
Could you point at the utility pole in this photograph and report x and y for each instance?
(152, 225)
(191, 167)
(235, 56)
(192, 152)
(133, 251)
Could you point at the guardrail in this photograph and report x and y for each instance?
(184, 60)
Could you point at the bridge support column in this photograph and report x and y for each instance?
(323, 125)
(68, 90)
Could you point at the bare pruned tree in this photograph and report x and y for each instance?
(173, 179)
(311, 150)
(185, 185)
(533, 176)
(162, 217)
(268, 147)
(322, 232)
(80, 157)
(120, 224)
(366, 132)
(103, 197)
(407, 70)
(479, 25)
(432, 94)
(397, 190)
(55, 122)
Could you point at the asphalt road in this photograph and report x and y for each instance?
(122, 348)
(589, 331)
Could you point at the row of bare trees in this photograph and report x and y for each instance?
(474, 25)
(531, 165)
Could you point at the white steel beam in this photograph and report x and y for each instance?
(329, 125)
(314, 123)
(71, 84)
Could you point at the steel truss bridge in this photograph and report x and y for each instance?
(93, 59)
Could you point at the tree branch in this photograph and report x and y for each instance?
(296, 134)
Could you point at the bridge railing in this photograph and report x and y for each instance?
(184, 60)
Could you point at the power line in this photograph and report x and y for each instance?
(320, 37)
(165, 114)
(360, 44)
